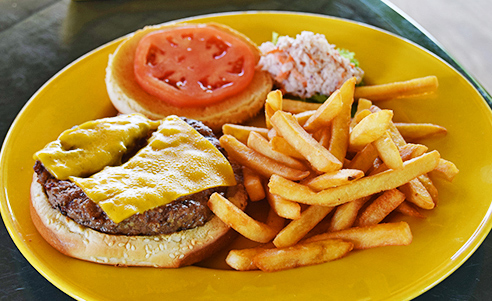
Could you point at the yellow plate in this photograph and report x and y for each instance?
(442, 241)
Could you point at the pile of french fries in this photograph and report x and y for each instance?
(321, 168)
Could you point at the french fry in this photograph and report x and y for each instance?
(258, 162)
(388, 151)
(298, 106)
(242, 260)
(334, 179)
(253, 185)
(379, 235)
(273, 103)
(380, 208)
(369, 129)
(325, 113)
(406, 208)
(340, 126)
(304, 254)
(325, 136)
(281, 145)
(304, 116)
(363, 104)
(359, 116)
(430, 187)
(239, 220)
(275, 221)
(298, 228)
(416, 193)
(363, 187)
(319, 157)
(346, 214)
(241, 132)
(284, 208)
(260, 144)
(446, 170)
(364, 159)
(407, 152)
(413, 87)
(410, 150)
(418, 131)
(395, 134)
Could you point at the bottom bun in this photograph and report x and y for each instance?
(165, 251)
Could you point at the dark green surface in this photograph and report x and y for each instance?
(39, 38)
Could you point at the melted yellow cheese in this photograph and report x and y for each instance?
(86, 149)
(177, 161)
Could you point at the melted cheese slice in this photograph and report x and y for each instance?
(86, 149)
(177, 161)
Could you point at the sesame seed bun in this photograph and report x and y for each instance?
(128, 97)
(164, 251)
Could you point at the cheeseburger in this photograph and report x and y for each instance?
(131, 191)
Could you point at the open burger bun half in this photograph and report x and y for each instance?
(165, 251)
(128, 97)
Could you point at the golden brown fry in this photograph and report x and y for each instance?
(275, 221)
(242, 260)
(446, 170)
(430, 187)
(340, 126)
(380, 235)
(258, 162)
(281, 145)
(410, 150)
(325, 136)
(407, 152)
(346, 214)
(395, 134)
(284, 208)
(298, 106)
(363, 104)
(407, 208)
(363, 187)
(364, 159)
(325, 113)
(304, 116)
(416, 193)
(380, 208)
(388, 151)
(241, 132)
(334, 179)
(418, 131)
(273, 103)
(298, 228)
(239, 220)
(413, 87)
(359, 116)
(253, 185)
(319, 157)
(369, 129)
(260, 144)
(304, 254)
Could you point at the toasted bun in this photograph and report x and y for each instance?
(164, 251)
(128, 97)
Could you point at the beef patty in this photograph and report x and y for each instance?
(186, 212)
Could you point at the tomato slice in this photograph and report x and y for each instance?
(193, 65)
